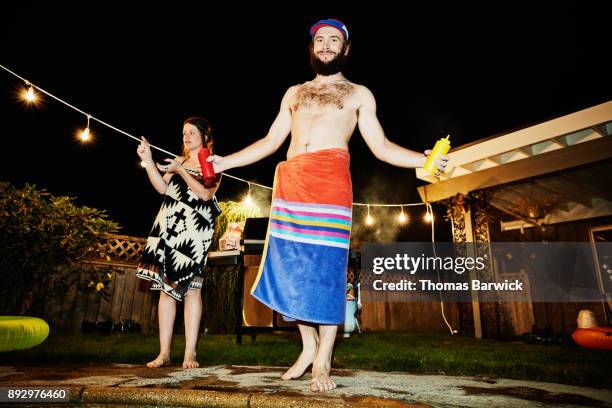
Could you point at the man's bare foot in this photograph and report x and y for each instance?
(190, 361)
(161, 361)
(321, 381)
(301, 365)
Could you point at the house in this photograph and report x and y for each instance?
(548, 182)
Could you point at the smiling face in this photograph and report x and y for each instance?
(327, 43)
(328, 51)
(192, 138)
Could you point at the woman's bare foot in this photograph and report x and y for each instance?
(190, 361)
(321, 381)
(301, 365)
(161, 361)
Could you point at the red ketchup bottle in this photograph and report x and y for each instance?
(208, 171)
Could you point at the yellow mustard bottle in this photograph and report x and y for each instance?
(442, 147)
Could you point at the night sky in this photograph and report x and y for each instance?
(472, 73)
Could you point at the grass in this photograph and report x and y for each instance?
(409, 352)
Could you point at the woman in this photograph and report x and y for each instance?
(177, 248)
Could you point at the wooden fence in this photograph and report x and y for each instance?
(128, 297)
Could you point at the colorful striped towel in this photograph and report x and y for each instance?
(303, 270)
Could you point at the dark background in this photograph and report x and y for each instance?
(472, 73)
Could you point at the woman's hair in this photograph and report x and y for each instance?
(203, 126)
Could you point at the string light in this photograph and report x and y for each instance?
(85, 134)
(31, 97)
(369, 219)
(248, 200)
(402, 218)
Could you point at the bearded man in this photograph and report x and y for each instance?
(303, 270)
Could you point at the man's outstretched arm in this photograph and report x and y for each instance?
(385, 150)
(263, 147)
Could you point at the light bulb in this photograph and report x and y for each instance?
(84, 136)
(248, 201)
(402, 217)
(29, 95)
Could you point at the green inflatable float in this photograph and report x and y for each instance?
(21, 332)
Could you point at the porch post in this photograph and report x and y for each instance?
(461, 222)
(490, 312)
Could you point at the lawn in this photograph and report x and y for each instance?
(409, 352)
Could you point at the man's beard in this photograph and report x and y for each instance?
(328, 68)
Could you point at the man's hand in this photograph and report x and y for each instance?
(172, 167)
(441, 162)
(217, 162)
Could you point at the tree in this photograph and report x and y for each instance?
(43, 239)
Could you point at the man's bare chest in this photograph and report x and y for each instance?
(321, 98)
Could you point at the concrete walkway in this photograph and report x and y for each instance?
(247, 386)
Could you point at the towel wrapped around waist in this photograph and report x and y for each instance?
(303, 270)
